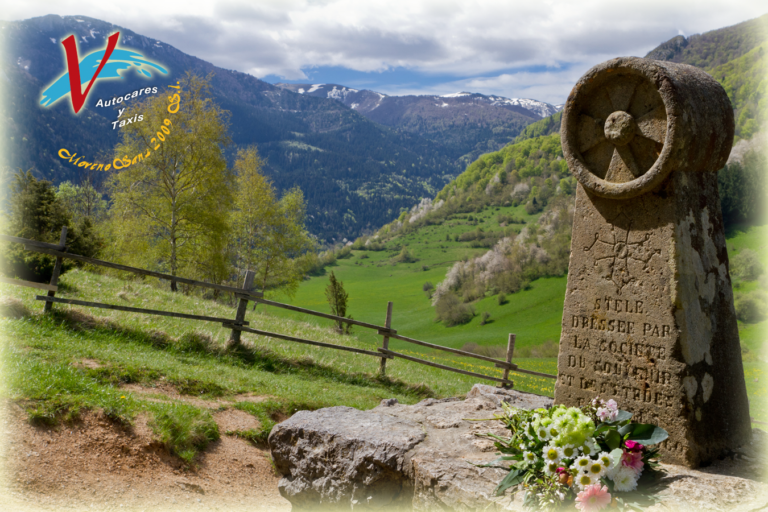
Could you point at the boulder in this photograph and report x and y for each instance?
(426, 457)
(419, 456)
(341, 457)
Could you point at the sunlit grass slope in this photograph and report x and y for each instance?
(77, 358)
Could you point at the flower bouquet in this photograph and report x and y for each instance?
(587, 455)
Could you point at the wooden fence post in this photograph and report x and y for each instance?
(385, 343)
(234, 339)
(510, 353)
(56, 270)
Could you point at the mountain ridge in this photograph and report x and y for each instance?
(468, 124)
(392, 168)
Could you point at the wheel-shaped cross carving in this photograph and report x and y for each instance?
(621, 129)
(617, 130)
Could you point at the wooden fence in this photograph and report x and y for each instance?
(238, 325)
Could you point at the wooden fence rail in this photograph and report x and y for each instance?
(238, 324)
(55, 250)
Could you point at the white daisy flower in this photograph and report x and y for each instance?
(582, 464)
(552, 453)
(551, 468)
(605, 460)
(589, 447)
(543, 433)
(569, 451)
(584, 479)
(596, 468)
(530, 457)
(625, 479)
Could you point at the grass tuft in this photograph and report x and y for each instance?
(184, 429)
(11, 307)
(116, 375)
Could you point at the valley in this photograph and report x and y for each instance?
(456, 208)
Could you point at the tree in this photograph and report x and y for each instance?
(270, 235)
(170, 205)
(82, 201)
(743, 189)
(337, 299)
(37, 214)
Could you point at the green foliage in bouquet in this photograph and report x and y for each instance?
(584, 455)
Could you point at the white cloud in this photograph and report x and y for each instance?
(458, 38)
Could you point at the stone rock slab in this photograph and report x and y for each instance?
(422, 456)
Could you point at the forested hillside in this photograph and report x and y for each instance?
(356, 174)
(735, 57)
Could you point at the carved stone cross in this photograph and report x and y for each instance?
(649, 318)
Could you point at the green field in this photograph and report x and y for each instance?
(534, 315)
(754, 336)
(75, 359)
(44, 356)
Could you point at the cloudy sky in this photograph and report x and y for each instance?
(513, 48)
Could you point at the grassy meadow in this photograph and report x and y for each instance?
(534, 315)
(372, 279)
(78, 358)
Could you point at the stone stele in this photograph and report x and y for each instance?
(649, 318)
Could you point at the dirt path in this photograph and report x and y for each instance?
(97, 465)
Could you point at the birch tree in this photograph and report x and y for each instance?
(170, 205)
(270, 235)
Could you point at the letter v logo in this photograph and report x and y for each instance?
(73, 66)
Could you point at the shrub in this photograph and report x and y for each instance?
(532, 206)
(502, 299)
(509, 219)
(316, 263)
(36, 213)
(752, 307)
(451, 311)
(374, 246)
(486, 316)
(405, 256)
(746, 265)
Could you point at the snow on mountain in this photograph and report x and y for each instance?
(366, 100)
(539, 107)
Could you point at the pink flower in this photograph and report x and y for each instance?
(632, 459)
(633, 446)
(609, 412)
(593, 498)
